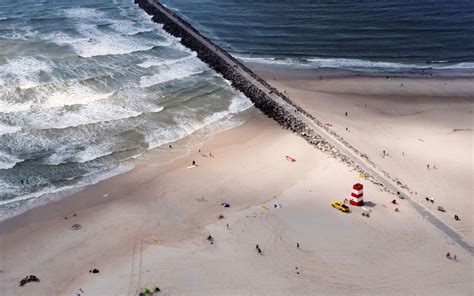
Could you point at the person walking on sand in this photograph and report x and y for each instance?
(346, 114)
(194, 162)
(297, 245)
(427, 166)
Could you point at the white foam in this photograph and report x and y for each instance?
(90, 114)
(465, 65)
(129, 28)
(158, 62)
(355, 63)
(95, 42)
(83, 13)
(90, 153)
(9, 107)
(352, 63)
(163, 77)
(76, 94)
(239, 103)
(62, 38)
(177, 70)
(99, 43)
(10, 208)
(8, 161)
(20, 33)
(52, 95)
(22, 72)
(7, 129)
(156, 109)
(187, 125)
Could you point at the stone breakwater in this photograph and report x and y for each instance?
(260, 99)
(290, 116)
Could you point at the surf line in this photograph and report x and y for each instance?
(279, 107)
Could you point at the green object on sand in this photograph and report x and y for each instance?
(146, 291)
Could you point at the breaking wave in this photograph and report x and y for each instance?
(354, 64)
(85, 90)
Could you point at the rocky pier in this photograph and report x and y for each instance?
(278, 106)
(242, 78)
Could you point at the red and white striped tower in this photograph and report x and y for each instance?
(357, 196)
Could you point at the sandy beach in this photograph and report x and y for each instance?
(416, 121)
(187, 148)
(149, 227)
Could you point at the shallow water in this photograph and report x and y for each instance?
(85, 86)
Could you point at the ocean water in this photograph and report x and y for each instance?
(87, 85)
(366, 36)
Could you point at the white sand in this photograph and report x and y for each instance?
(396, 253)
(417, 121)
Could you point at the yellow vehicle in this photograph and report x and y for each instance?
(340, 206)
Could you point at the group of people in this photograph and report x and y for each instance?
(202, 154)
(259, 251)
(448, 255)
(194, 162)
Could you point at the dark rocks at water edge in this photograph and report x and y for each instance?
(260, 99)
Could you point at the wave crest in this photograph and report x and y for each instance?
(355, 64)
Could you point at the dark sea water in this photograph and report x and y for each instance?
(370, 35)
(86, 86)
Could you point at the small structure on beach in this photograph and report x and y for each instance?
(357, 196)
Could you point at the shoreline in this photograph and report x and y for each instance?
(389, 86)
(181, 148)
(164, 223)
(340, 72)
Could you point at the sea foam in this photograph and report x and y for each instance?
(22, 71)
(172, 70)
(352, 64)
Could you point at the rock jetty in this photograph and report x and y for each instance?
(212, 55)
